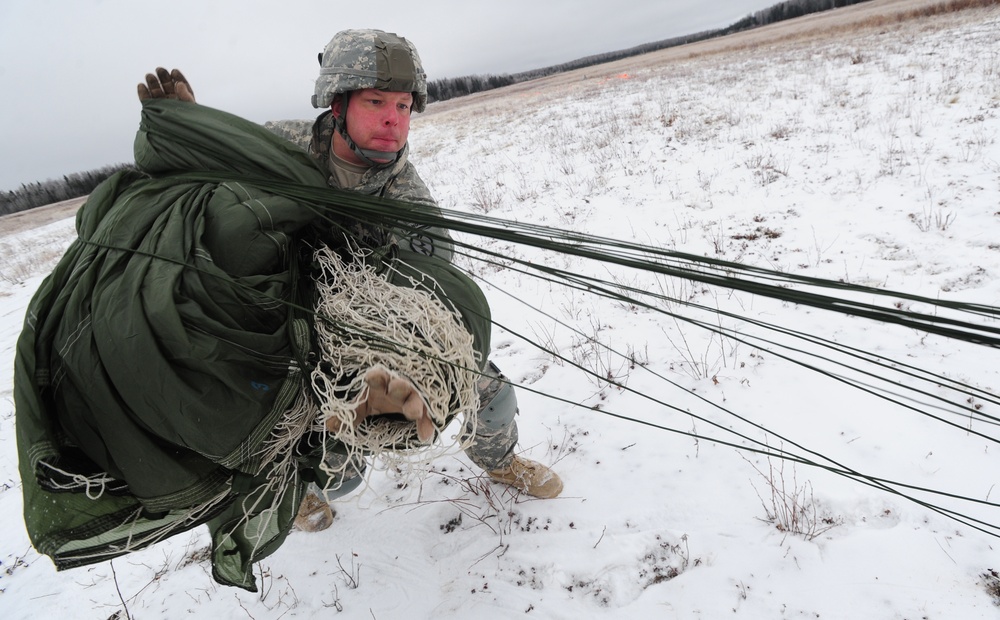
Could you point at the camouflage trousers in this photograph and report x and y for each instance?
(494, 433)
(495, 430)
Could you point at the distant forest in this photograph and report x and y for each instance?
(448, 88)
(31, 195)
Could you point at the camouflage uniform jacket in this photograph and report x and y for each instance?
(399, 181)
(495, 429)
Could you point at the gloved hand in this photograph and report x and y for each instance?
(389, 394)
(166, 85)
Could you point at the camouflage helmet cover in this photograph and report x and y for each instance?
(360, 59)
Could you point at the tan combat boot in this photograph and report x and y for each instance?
(315, 515)
(529, 477)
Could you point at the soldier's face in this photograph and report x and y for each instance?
(376, 119)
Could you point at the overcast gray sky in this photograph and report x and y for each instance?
(69, 67)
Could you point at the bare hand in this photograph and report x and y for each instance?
(166, 85)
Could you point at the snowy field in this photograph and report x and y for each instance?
(871, 158)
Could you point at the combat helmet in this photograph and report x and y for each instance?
(360, 59)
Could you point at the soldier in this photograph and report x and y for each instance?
(370, 82)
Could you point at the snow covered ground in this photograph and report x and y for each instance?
(871, 158)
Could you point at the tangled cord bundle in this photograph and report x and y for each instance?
(364, 322)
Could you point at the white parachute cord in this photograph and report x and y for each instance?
(364, 322)
(93, 486)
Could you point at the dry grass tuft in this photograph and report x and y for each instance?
(928, 10)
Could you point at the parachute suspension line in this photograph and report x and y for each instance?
(93, 486)
(735, 276)
(763, 448)
(598, 287)
(732, 276)
(394, 214)
(577, 282)
(727, 276)
(330, 204)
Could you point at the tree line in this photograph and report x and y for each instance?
(449, 88)
(40, 193)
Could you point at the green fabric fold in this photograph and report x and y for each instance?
(159, 355)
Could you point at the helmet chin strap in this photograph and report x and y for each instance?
(366, 155)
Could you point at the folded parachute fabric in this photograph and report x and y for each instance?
(160, 354)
